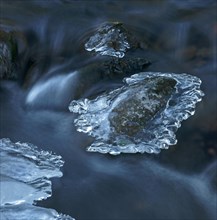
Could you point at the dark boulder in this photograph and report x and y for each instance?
(8, 55)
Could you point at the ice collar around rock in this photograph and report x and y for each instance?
(111, 39)
(142, 116)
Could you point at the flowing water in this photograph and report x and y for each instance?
(176, 36)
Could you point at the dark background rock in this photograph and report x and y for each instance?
(8, 55)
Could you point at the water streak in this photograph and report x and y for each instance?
(52, 92)
(25, 173)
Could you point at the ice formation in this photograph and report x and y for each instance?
(142, 116)
(111, 39)
(24, 179)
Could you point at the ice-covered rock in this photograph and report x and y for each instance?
(25, 178)
(142, 116)
(111, 39)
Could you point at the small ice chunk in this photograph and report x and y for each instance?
(142, 116)
(111, 39)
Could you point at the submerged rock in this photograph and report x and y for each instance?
(8, 53)
(120, 68)
(111, 39)
(111, 69)
(24, 179)
(142, 116)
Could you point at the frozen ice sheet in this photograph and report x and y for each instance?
(27, 211)
(142, 116)
(25, 162)
(24, 179)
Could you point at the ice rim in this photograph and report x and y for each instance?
(24, 165)
(101, 40)
(160, 133)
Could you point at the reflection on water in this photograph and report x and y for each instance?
(176, 36)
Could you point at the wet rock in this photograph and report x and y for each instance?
(8, 54)
(131, 116)
(119, 68)
(110, 69)
(112, 39)
(142, 116)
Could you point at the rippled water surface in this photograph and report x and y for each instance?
(54, 68)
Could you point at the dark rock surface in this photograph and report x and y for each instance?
(131, 115)
(8, 55)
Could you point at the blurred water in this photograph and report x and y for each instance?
(177, 36)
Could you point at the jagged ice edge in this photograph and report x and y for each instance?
(43, 159)
(48, 165)
(94, 114)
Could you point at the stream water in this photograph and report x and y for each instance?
(176, 36)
